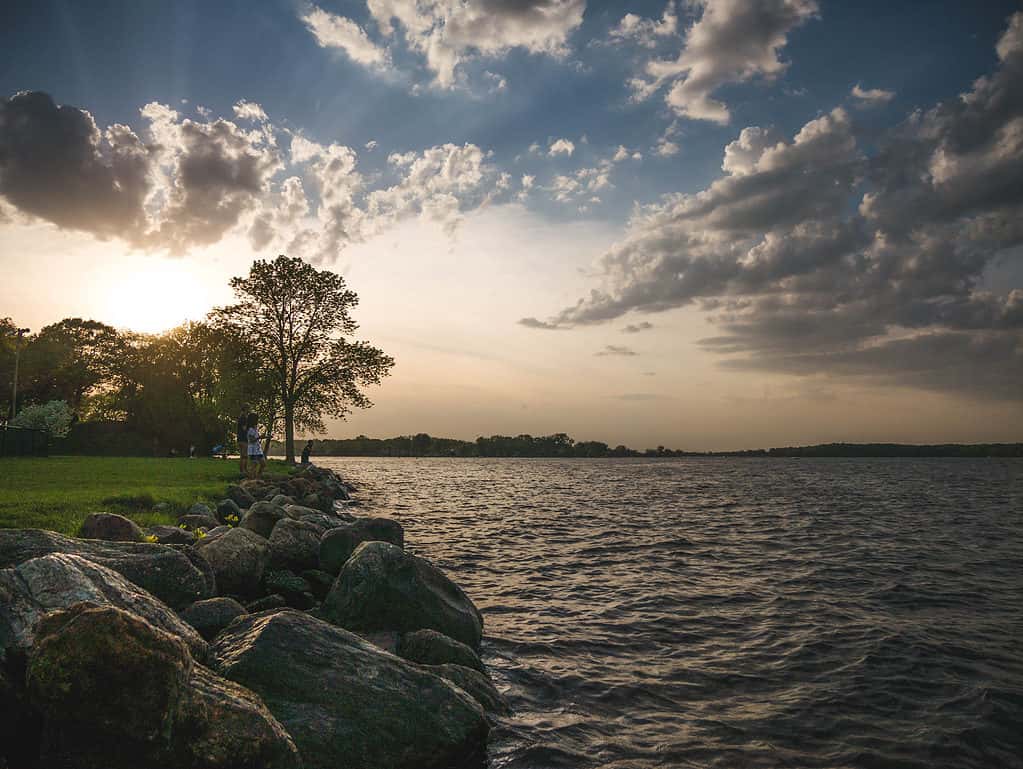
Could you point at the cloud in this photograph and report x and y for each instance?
(733, 41)
(57, 165)
(814, 258)
(872, 95)
(561, 147)
(635, 328)
(645, 31)
(339, 32)
(534, 323)
(615, 349)
(446, 32)
(186, 183)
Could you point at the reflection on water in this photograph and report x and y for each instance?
(733, 612)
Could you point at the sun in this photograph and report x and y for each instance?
(156, 295)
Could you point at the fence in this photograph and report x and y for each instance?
(23, 442)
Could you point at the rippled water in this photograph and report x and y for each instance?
(733, 612)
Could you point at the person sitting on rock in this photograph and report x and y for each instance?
(257, 462)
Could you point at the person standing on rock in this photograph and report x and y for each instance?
(243, 440)
(305, 453)
(257, 462)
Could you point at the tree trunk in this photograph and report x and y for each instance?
(289, 433)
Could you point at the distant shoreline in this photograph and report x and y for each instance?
(446, 447)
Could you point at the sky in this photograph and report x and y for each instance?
(703, 224)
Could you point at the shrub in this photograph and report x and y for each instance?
(55, 417)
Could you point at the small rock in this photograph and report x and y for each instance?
(200, 508)
(282, 499)
(272, 601)
(240, 496)
(211, 616)
(474, 683)
(111, 527)
(193, 522)
(262, 517)
(428, 647)
(339, 543)
(163, 507)
(170, 535)
(296, 591)
(320, 581)
(229, 512)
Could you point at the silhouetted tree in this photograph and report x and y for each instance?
(294, 318)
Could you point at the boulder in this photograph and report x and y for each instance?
(193, 522)
(200, 508)
(224, 725)
(382, 587)
(111, 527)
(59, 580)
(170, 535)
(318, 502)
(282, 499)
(428, 647)
(294, 545)
(296, 591)
(262, 517)
(347, 703)
(130, 675)
(211, 616)
(116, 692)
(475, 684)
(240, 496)
(339, 543)
(298, 511)
(170, 573)
(238, 557)
(228, 508)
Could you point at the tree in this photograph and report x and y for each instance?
(55, 417)
(294, 318)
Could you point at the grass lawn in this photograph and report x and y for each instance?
(58, 492)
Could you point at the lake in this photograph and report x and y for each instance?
(724, 612)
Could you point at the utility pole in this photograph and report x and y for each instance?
(14, 384)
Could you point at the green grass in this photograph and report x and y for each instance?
(59, 492)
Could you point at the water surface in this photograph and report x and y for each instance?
(733, 612)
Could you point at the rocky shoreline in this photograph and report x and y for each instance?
(275, 631)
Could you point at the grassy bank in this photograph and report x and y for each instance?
(58, 492)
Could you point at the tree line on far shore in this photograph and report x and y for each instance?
(561, 445)
(282, 349)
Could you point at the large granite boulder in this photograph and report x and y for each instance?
(105, 669)
(211, 616)
(294, 545)
(238, 557)
(175, 575)
(382, 587)
(339, 543)
(58, 581)
(240, 496)
(475, 684)
(111, 527)
(347, 703)
(428, 647)
(116, 692)
(281, 500)
(262, 517)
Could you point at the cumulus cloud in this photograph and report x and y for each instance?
(341, 33)
(535, 323)
(633, 28)
(733, 41)
(447, 32)
(813, 257)
(561, 147)
(615, 349)
(872, 95)
(184, 183)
